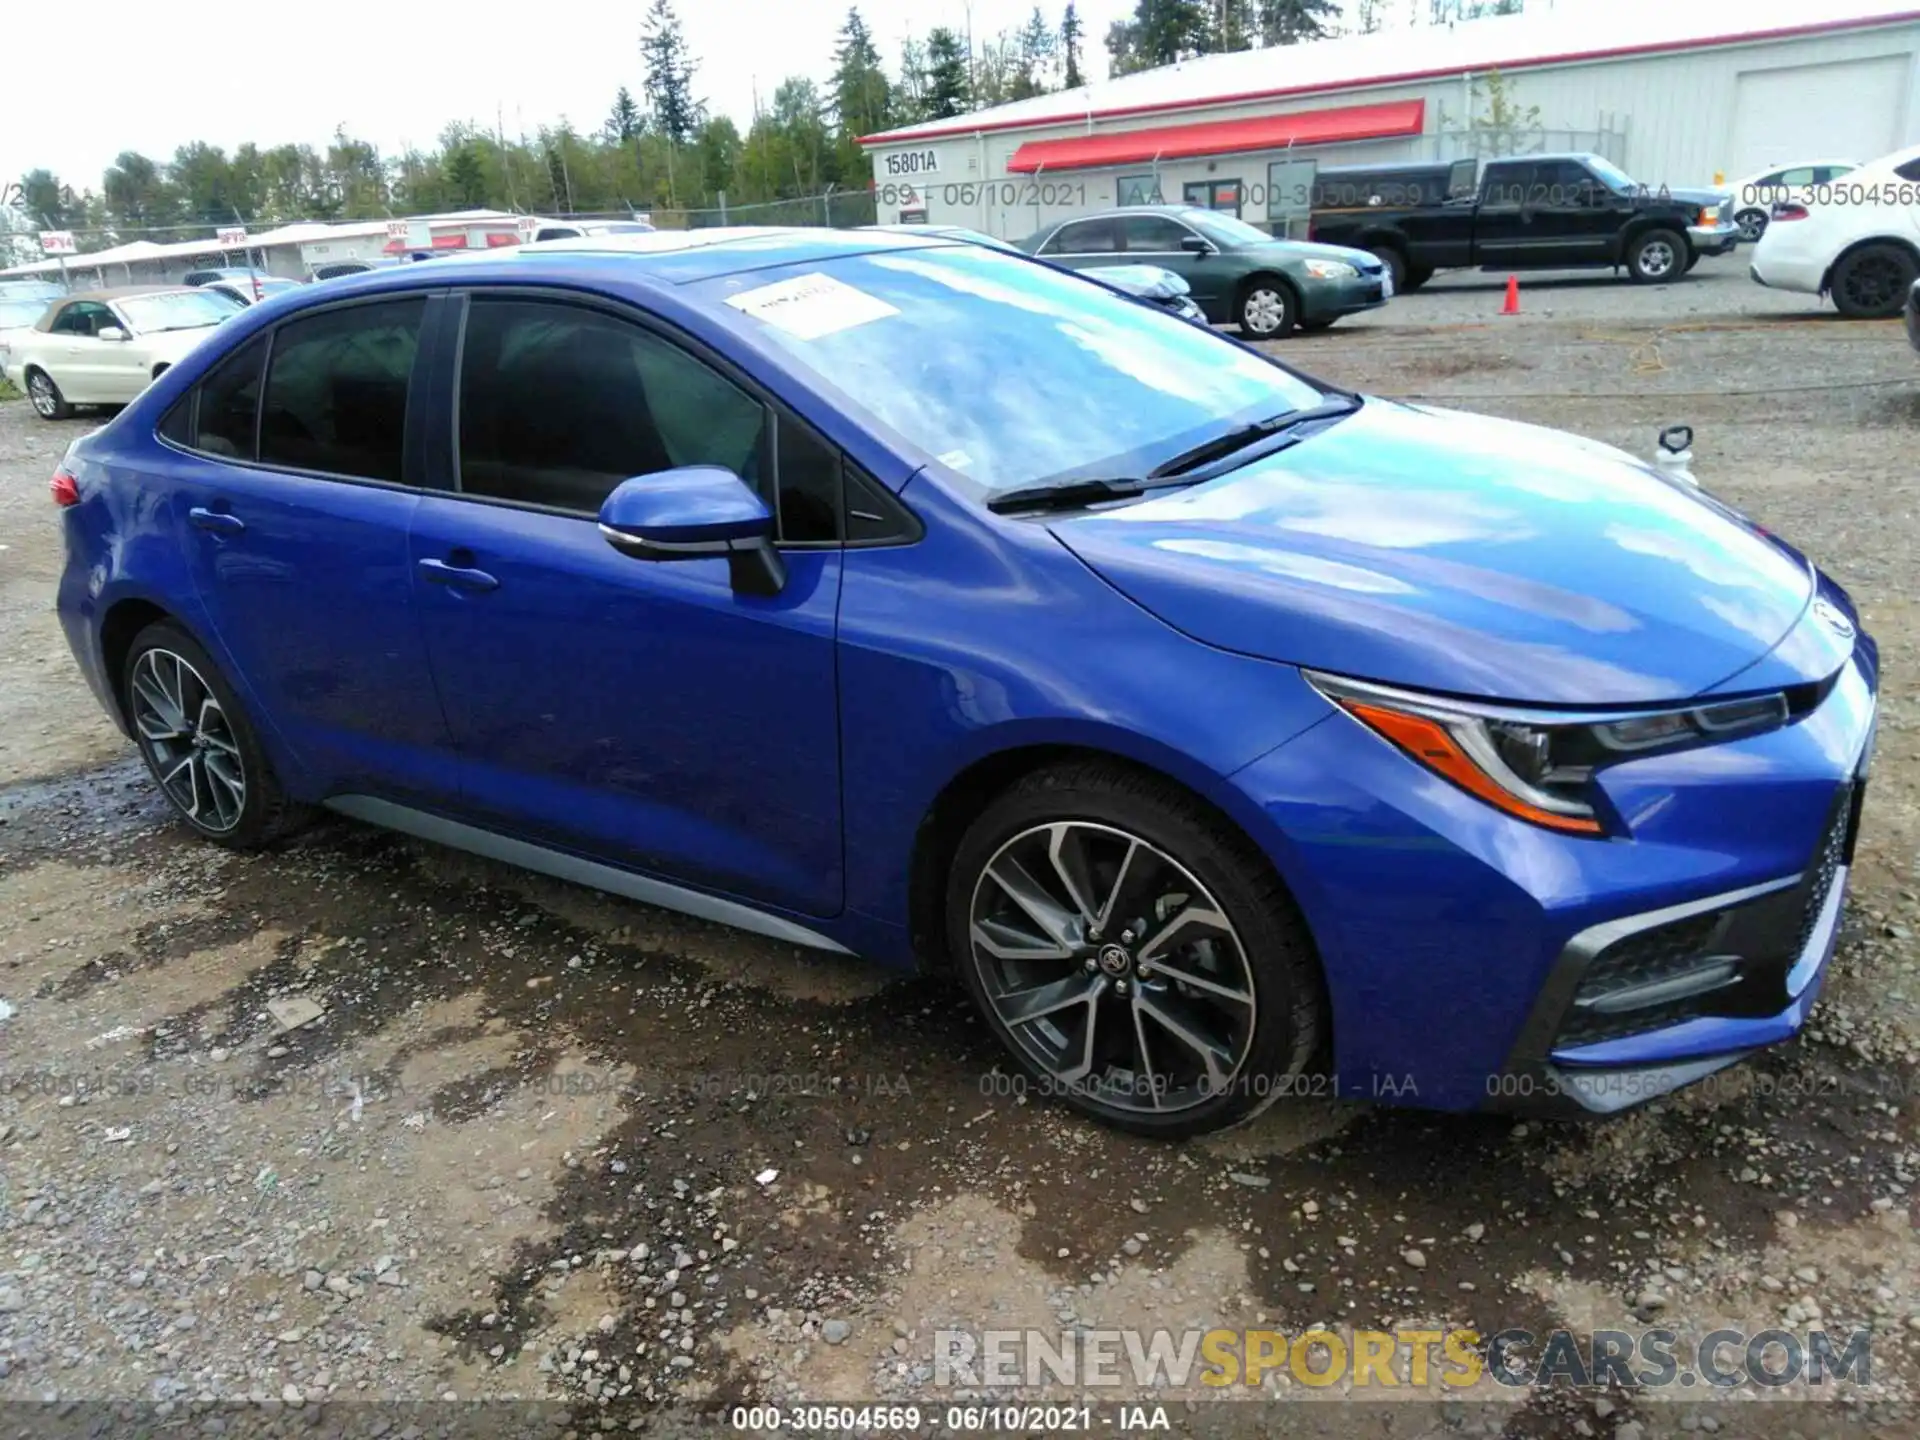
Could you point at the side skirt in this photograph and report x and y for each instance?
(558, 863)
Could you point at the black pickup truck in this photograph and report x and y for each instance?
(1530, 212)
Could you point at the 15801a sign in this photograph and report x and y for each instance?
(911, 162)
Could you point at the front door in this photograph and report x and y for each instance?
(1160, 240)
(296, 504)
(637, 711)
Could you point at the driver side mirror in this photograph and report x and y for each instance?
(111, 332)
(1194, 245)
(695, 511)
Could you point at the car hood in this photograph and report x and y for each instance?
(1697, 197)
(1458, 553)
(1278, 251)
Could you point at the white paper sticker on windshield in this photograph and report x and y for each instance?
(810, 306)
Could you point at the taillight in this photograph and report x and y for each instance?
(1789, 212)
(66, 490)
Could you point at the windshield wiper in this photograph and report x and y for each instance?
(1241, 436)
(1067, 495)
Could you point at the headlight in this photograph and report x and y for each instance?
(1331, 270)
(1539, 766)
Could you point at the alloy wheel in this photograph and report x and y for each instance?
(1656, 259)
(1873, 281)
(1265, 311)
(1113, 968)
(40, 390)
(1753, 224)
(188, 740)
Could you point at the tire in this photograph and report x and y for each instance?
(48, 403)
(1655, 257)
(1753, 224)
(1266, 309)
(1417, 276)
(1693, 259)
(199, 744)
(1145, 854)
(1314, 327)
(1396, 264)
(1871, 283)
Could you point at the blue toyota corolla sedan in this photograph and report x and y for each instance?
(1230, 736)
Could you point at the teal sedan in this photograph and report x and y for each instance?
(1236, 272)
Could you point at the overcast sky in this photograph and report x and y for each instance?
(395, 74)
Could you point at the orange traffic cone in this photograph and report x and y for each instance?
(1512, 305)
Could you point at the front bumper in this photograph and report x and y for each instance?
(1456, 941)
(1714, 239)
(1331, 299)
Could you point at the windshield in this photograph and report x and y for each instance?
(1009, 372)
(1229, 229)
(1611, 175)
(177, 310)
(16, 313)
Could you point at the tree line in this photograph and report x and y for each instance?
(659, 147)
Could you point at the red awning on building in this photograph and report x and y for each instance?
(1222, 137)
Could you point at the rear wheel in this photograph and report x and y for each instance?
(48, 402)
(1417, 275)
(1140, 962)
(1871, 283)
(1657, 257)
(198, 743)
(1266, 310)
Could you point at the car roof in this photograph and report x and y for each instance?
(1178, 212)
(118, 292)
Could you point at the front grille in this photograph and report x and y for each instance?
(1826, 864)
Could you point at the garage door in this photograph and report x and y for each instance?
(1853, 109)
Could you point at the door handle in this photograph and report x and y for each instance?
(217, 521)
(460, 577)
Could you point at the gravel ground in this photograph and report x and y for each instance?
(547, 1146)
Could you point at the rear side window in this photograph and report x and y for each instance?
(559, 404)
(336, 393)
(229, 403)
(1086, 237)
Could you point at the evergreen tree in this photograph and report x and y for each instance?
(859, 89)
(1232, 25)
(910, 91)
(1163, 31)
(624, 123)
(949, 89)
(1288, 22)
(1070, 47)
(1034, 59)
(466, 181)
(669, 83)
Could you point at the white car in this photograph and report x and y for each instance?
(16, 318)
(1755, 195)
(1856, 239)
(580, 229)
(103, 347)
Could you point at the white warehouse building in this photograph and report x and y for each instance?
(1675, 94)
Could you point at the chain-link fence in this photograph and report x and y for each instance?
(832, 208)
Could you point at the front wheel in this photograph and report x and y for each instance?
(1140, 961)
(1416, 277)
(198, 743)
(1752, 223)
(1266, 310)
(1396, 265)
(1871, 283)
(48, 402)
(1657, 257)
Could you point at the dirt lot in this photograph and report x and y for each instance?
(549, 1146)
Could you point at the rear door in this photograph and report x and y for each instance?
(1502, 221)
(296, 472)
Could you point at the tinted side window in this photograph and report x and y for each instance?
(1088, 237)
(559, 404)
(229, 403)
(336, 396)
(1509, 184)
(1801, 176)
(809, 470)
(1908, 171)
(1152, 233)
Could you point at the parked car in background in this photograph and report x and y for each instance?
(579, 229)
(1755, 195)
(1228, 735)
(238, 276)
(16, 316)
(251, 291)
(1151, 283)
(339, 269)
(1236, 272)
(1856, 239)
(103, 347)
(1528, 212)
